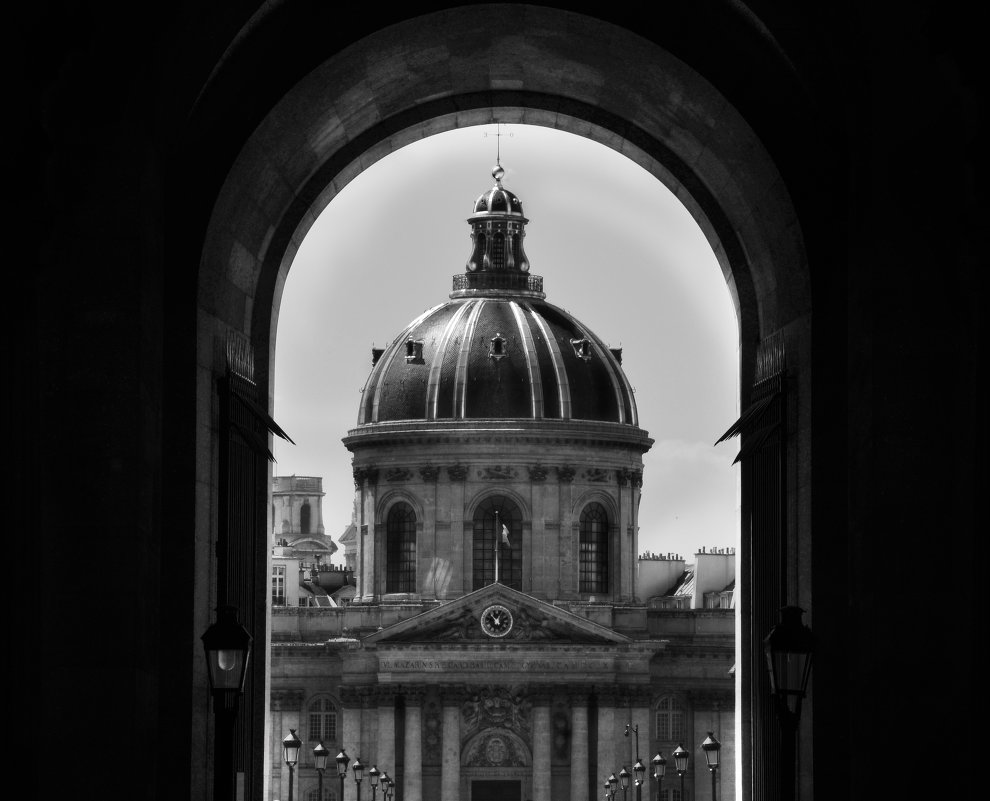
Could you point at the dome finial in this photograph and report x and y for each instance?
(497, 170)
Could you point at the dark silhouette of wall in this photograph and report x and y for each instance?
(125, 119)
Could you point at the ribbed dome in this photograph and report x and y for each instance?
(498, 199)
(497, 349)
(497, 358)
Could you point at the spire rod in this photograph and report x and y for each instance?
(498, 152)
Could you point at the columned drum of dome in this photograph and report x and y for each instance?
(497, 396)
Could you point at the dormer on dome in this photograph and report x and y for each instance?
(497, 350)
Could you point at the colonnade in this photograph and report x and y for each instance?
(370, 730)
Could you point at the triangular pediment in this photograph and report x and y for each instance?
(529, 620)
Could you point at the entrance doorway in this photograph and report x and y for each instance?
(496, 790)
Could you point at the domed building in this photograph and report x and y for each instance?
(506, 640)
(497, 408)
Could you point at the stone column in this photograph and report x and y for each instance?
(640, 714)
(544, 550)
(412, 773)
(542, 738)
(608, 756)
(459, 556)
(579, 746)
(450, 766)
(383, 754)
(568, 541)
(286, 706)
(350, 732)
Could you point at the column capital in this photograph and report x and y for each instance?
(457, 472)
(541, 694)
(537, 473)
(429, 472)
(453, 694)
(576, 694)
(413, 696)
(611, 695)
(363, 474)
(384, 695)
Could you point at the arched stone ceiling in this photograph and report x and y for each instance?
(468, 66)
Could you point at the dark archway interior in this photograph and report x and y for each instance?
(134, 118)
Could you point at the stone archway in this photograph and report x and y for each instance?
(496, 760)
(408, 81)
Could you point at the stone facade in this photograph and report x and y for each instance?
(446, 708)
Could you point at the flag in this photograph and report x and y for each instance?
(505, 534)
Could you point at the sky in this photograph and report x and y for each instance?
(616, 250)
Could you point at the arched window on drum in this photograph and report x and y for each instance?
(594, 549)
(497, 543)
(400, 549)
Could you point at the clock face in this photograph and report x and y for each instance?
(496, 621)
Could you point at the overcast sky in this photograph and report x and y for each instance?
(616, 250)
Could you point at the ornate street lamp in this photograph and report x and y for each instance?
(624, 781)
(290, 752)
(638, 769)
(612, 783)
(681, 763)
(227, 645)
(342, 761)
(387, 785)
(373, 778)
(358, 769)
(711, 747)
(789, 648)
(320, 757)
(659, 771)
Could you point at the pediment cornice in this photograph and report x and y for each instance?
(533, 622)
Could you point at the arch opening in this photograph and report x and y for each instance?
(758, 255)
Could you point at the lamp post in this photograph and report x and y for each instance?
(320, 757)
(227, 645)
(639, 769)
(659, 770)
(624, 781)
(290, 752)
(639, 772)
(711, 747)
(342, 762)
(387, 784)
(789, 647)
(681, 762)
(611, 783)
(358, 769)
(373, 778)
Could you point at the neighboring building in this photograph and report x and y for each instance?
(297, 516)
(302, 574)
(505, 631)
